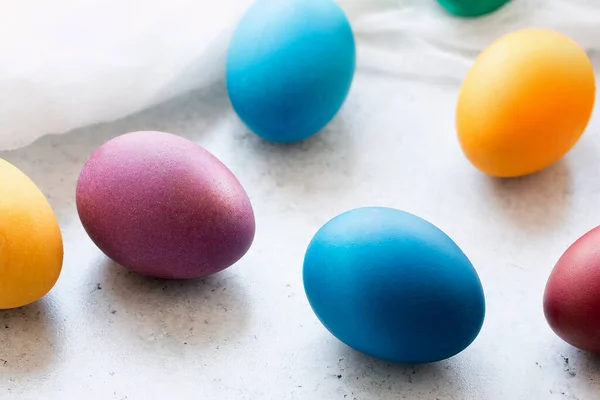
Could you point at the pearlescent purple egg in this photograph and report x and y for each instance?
(163, 206)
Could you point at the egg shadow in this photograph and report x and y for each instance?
(28, 339)
(322, 163)
(196, 312)
(576, 372)
(534, 202)
(377, 378)
(577, 362)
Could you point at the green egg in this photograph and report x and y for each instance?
(472, 8)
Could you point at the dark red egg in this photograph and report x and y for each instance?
(572, 295)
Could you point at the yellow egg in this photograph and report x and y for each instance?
(525, 102)
(31, 249)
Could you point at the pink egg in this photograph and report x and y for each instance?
(163, 206)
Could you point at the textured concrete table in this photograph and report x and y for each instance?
(249, 333)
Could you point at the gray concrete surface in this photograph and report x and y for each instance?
(249, 333)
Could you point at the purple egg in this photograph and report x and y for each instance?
(163, 206)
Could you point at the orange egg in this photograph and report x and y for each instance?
(525, 102)
(31, 248)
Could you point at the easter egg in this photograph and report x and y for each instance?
(572, 294)
(31, 247)
(393, 286)
(472, 8)
(525, 102)
(163, 206)
(290, 65)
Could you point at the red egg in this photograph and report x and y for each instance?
(572, 295)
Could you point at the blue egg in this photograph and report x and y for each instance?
(290, 66)
(393, 286)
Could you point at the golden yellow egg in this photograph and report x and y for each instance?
(525, 102)
(31, 248)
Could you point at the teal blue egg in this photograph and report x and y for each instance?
(290, 66)
(393, 286)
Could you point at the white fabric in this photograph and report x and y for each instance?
(70, 63)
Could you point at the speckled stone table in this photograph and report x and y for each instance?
(249, 333)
